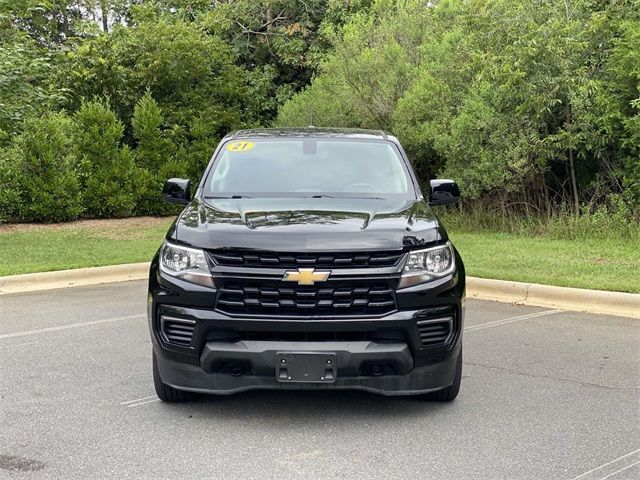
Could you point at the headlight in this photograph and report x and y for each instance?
(185, 263)
(428, 264)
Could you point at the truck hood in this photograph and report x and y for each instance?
(307, 224)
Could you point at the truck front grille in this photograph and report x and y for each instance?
(239, 258)
(333, 298)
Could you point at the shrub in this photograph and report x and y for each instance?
(43, 171)
(106, 167)
(149, 188)
(9, 192)
(154, 156)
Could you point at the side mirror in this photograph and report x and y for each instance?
(177, 190)
(443, 192)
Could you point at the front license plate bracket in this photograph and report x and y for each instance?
(306, 367)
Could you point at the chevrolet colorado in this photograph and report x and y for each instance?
(307, 258)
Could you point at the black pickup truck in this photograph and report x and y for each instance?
(307, 259)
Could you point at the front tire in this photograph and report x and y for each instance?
(451, 392)
(165, 392)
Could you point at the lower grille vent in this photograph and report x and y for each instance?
(434, 332)
(437, 327)
(178, 331)
(374, 336)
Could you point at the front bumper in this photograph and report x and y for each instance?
(194, 378)
(228, 354)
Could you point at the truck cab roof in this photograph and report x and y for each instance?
(351, 133)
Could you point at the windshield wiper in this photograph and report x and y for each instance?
(208, 197)
(322, 195)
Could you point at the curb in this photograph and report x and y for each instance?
(533, 294)
(31, 282)
(563, 298)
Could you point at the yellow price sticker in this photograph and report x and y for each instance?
(240, 146)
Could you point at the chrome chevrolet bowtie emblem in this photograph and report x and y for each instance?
(306, 276)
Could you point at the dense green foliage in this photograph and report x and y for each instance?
(143, 89)
(155, 157)
(105, 167)
(532, 106)
(42, 170)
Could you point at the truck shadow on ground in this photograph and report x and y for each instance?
(294, 406)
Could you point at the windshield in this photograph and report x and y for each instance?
(308, 167)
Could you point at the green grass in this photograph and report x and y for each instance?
(80, 244)
(599, 263)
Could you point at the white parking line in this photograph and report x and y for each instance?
(143, 403)
(583, 475)
(17, 345)
(71, 325)
(505, 321)
(621, 470)
(138, 400)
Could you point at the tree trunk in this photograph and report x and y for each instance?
(574, 184)
(105, 16)
(572, 167)
(547, 199)
(269, 19)
(65, 24)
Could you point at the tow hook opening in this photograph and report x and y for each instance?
(236, 369)
(377, 369)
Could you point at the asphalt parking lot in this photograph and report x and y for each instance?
(545, 394)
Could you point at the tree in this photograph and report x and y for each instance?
(190, 75)
(25, 83)
(531, 105)
(49, 23)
